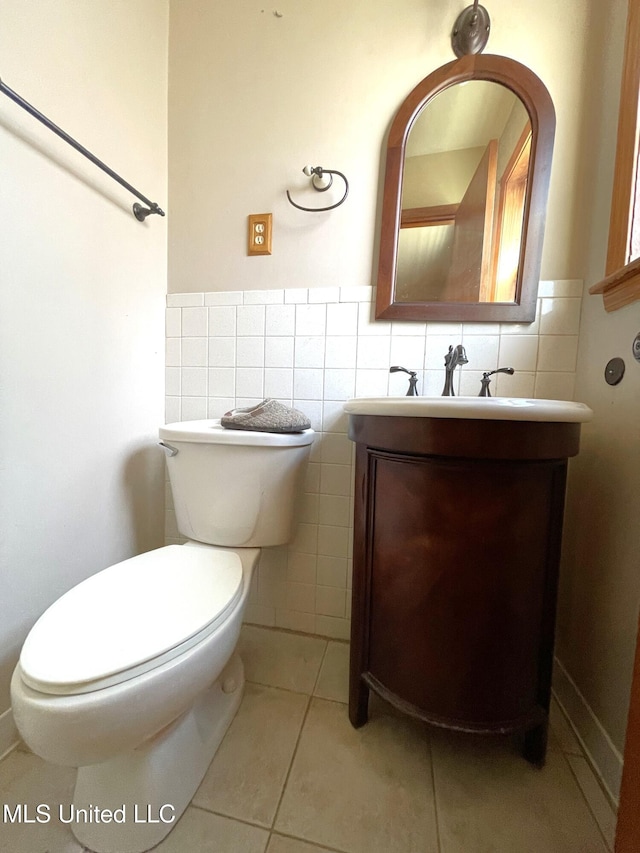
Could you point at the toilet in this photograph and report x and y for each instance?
(132, 675)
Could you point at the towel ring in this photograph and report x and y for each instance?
(317, 173)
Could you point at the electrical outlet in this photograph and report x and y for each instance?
(260, 234)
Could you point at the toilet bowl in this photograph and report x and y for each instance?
(131, 676)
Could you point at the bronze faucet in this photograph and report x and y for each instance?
(485, 381)
(456, 356)
(413, 381)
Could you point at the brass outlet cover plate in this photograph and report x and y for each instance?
(260, 227)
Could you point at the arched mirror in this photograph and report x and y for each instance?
(465, 193)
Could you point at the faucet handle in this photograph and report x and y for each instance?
(413, 381)
(486, 381)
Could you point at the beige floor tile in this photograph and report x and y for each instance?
(282, 844)
(28, 780)
(365, 791)
(595, 797)
(247, 775)
(198, 831)
(333, 681)
(490, 800)
(278, 659)
(360, 791)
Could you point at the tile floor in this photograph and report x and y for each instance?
(292, 776)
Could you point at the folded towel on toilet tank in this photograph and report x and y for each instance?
(267, 416)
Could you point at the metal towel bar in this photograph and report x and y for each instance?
(139, 212)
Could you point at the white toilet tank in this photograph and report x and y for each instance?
(235, 488)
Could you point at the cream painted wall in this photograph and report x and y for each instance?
(254, 97)
(82, 290)
(600, 589)
(451, 173)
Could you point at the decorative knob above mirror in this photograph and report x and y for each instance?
(468, 161)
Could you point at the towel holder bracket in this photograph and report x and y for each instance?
(321, 184)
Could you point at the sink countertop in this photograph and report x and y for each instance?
(472, 408)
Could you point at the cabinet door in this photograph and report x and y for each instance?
(462, 562)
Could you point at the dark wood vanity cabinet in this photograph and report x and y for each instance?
(457, 538)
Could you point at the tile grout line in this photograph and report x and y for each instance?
(312, 843)
(295, 749)
(269, 829)
(241, 820)
(277, 629)
(284, 689)
(315, 683)
(435, 794)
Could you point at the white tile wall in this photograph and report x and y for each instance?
(313, 350)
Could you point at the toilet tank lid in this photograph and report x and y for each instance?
(129, 614)
(211, 432)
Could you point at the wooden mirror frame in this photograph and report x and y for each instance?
(537, 101)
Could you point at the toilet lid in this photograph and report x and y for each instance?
(130, 614)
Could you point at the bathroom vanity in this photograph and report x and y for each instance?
(458, 524)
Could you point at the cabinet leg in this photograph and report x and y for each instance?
(358, 703)
(535, 745)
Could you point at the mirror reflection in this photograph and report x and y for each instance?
(464, 187)
(484, 125)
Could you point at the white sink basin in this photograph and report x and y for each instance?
(472, 408)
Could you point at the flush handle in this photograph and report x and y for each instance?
(171, 451)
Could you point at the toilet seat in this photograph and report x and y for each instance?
(130, 618)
